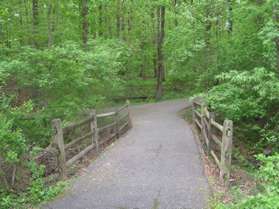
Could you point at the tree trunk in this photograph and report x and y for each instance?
(100, 19)
(130, 17)
(208, 26)
(50, 23)
(230, 16)
(85, 22)
(35, 21)
(276, 20)
(277, 49)
(122, 19)
(118, 18)
(153, 16)
(175, 4)
(160, 42)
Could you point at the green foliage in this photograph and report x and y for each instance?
(245, 95)
(12, 141)
(269, 172)
(35, 194)
(183, 53)
(57, 80)
(268, 176)
(250, 99)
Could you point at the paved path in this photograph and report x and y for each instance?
(155, 166)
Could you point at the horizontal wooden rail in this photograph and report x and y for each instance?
(80, 155)
(217, 125)
(123, 108)
(76, 125)
(108, 139)
(104, 115)
(197, 103)
(121, 117)
(215, 158)
(205, 122)
(197, 113)
(78, 139)
(198, 123)
(107, 126)
(216, 140)
(124, 125)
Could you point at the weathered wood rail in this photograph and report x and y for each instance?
(74, 141)
(217, 138)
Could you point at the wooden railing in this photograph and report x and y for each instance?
(76, 140)
(217, 138)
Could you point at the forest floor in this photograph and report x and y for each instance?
(156, 165)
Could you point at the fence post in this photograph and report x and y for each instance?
(94, 129)
(211, 118)
(59, 142)
(193, 112)
(116, 119)
(130, 125)
(226, 151)
(204, 131)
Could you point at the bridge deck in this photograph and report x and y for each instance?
(156, 165)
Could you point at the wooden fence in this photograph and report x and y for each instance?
(75, 140)
(217, 138)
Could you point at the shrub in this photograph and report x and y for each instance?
(251, 100)
(12, 142)
(58, 82)
(268, 176)
(245, 95)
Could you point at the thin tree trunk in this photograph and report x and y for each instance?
(108, 22)
(142, 65)
(118, 18)
(85, 22)
(50, 23)
(230, 16)
(175, 4)
(277, 48)
(130, 17)
(208, 26)
(153, 16)
(35, 20)
(161, 34)
(21, 22)
(276, 20)
(100, 19)
(123, 25)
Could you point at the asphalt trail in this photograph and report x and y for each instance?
(156, 165)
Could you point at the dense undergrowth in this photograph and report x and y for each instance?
(251, 100)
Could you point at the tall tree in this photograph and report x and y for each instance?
(230, 16)
(122, 19)
(130, 17)
(50, 22)
(118, 18)
(175, 4)
(160, 41)
(85, 22)
(35, 21)
(208, 26)
(154, 57)
(276, 20)
(100, 31)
